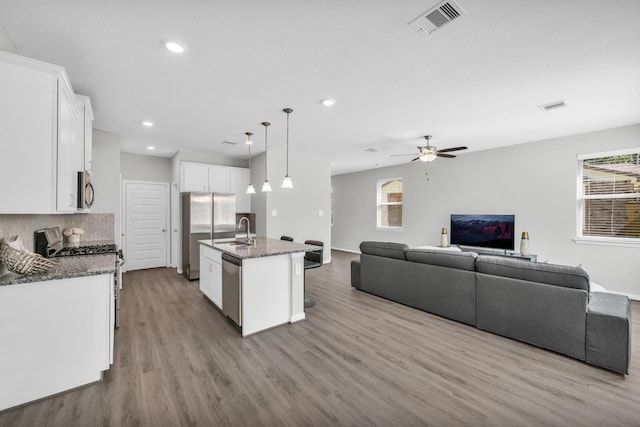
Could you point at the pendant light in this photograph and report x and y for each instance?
(266, 187)
(287, 183)
(250, 189)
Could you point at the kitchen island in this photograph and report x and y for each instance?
(270, 290)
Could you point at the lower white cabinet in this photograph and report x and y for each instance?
(55, 335)
(211, 274)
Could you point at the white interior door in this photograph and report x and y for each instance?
(146, 224)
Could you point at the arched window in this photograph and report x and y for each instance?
(390, 204)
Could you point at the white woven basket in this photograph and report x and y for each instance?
(23, 262)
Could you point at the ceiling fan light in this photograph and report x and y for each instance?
(429, 157)
(287, 182)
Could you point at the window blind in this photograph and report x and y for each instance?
(609, 196)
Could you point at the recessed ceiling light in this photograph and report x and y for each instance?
(147, 123)
(151, 147)
(175, 46)
(328, 102)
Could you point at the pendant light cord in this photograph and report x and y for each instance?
(288, 143)
(266, 151)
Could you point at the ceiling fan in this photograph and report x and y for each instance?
(429, 153)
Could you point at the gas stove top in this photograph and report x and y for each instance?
(85, 248)
(48, 243)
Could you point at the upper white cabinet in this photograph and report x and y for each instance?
(200, 177)
(238, 181)
(86, 131)
(194, 177)
(219, 179)
(68, 155)
(41, 148)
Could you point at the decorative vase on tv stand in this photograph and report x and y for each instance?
(524, 244)
(444, 238)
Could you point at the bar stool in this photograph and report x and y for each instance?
(312, 259)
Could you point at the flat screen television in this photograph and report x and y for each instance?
(485, 231)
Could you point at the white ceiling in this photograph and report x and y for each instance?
(477, 81)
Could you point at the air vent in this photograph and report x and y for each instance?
(553, 105)
(435, 18)
(371, 150)
(231, 143)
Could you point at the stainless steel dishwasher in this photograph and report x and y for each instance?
(232, 288)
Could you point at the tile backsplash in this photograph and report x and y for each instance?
(97, 226)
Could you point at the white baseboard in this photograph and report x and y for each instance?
(297, 318)
(634, 297)
(345, 250)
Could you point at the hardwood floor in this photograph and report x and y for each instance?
(357, 360)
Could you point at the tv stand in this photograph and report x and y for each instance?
(499, 252)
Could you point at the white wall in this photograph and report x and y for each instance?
(105, 175)
(534, 181)
(298, 209)
(138, 167)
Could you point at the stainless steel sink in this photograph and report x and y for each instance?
(237, 243)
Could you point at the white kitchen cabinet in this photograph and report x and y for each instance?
(206, 276)
(86, 131)
(201, 177)
(70, 151)
(211, 274)
(218, 179)
(38, 130)
(56, 335)
(194, 177)
(238, 181)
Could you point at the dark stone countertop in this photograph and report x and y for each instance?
(263, 247)
(68, 267)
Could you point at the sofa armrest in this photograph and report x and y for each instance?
(608, 343)
(355, 274)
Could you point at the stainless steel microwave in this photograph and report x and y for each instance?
(85, 190)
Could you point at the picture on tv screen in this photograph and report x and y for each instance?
(486, 231)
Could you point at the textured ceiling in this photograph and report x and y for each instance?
(477, 81)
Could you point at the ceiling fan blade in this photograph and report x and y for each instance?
(417, 158)
(446, 150)
(448, 156)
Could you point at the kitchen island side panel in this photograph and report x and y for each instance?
(266, 293)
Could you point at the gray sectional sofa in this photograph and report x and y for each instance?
(547, 305)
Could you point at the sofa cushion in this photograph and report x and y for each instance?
(552, 274)
(459, 260)
(609, 331)
(385, 249)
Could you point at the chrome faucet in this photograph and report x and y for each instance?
(249, 239)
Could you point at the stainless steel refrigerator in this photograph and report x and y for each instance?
(204, 216)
